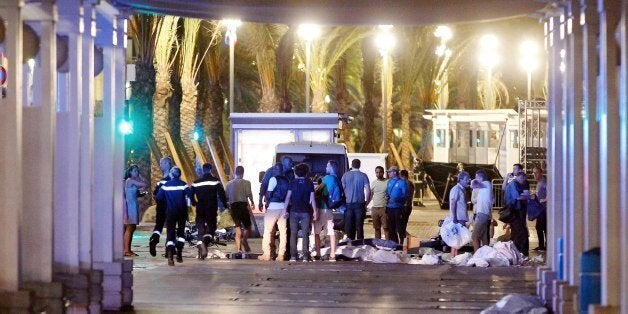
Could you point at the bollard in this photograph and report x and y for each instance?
(590, 284)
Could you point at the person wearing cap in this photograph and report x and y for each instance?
(396, 195)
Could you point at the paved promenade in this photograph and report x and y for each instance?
(252, 286)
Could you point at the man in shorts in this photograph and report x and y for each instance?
(378, 195)
(331, 190)
(238, 191)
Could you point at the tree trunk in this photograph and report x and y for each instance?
(163, 91)
(368, 87)
(188, 114)
(342, 98)
(265, 67)
(405, 130)
(283, 59)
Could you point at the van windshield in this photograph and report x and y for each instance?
(317, 162)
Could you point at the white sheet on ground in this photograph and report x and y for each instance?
(460, 259)
(517, 303)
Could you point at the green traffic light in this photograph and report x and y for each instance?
(196, 135)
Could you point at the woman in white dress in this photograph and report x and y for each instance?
(133, 182)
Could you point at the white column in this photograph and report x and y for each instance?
(86, 159)
(575, 154)
(39, 132)
(69, 90)
(11, 143)
(591, 137)
(623, 159)
(564, 162)
(118, 161)
(610, 181)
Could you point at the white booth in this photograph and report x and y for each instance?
(255, 136)
(476, 137)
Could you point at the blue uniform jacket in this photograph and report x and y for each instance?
(174, 193)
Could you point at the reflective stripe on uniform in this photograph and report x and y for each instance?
(180, 239)
(174, 188)
(205, 183)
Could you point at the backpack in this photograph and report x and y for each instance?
(339, 202)
(281, 190)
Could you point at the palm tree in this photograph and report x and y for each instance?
(188, 70)
(165, 56)
(284, 59)
(144, 30)
(325, 53)
(260, 41)
(369, 57)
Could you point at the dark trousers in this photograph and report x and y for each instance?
(175, 223)
(354, 220)
(541, 229)
(519, 232)
(395, 224)
(305, 222)
(160, 218)
(206, 221)
(405, 215)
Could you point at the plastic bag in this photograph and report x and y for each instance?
(454, 235)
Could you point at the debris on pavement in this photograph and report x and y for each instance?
(517, 303)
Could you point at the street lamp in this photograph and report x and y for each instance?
(231, 37)
(308, 32)
(529, 51)
(489, 58)
(385, 41)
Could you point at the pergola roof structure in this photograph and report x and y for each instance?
(342, 12)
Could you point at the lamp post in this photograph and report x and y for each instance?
(489, 58)
(231, 37)
(529, 50)
(385, 42)
(308, 32)
(444, 34)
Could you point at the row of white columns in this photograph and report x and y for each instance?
(61, 207)
(587, 159)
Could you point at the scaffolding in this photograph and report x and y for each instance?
(532, 134)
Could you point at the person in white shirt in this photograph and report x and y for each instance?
(378, 195)
(482, 199)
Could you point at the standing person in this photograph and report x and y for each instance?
(357, 191)
(133, 181)
(238, 191)
(276, 195)
(286, 163)
(160, 209)
(541, 221)
(407, 207)
(483, 191)
(300, 196)
(378, 195)
(458, 203)
(516, 168)
(517, 194)
(206, 190)
(177, 195)
(332, 193)
(396, 195)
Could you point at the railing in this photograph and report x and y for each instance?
(498, 193)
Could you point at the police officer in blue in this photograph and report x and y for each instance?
(177, 195)
(396, 194)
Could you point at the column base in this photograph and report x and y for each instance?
(547, 280)
(16, 301)
(75, 291)
(603, 309)
(568, 296)
(47, 296)
(556, 300)
(127, 283)
(95, 290)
